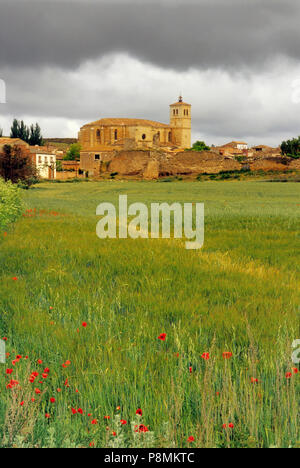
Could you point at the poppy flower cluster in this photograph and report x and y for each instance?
(230, 426)
(227, 355)
(289, 375)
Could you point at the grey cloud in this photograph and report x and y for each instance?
(205, 34)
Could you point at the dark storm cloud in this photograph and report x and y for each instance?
(204, 34)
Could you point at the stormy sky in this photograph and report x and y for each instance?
(66, 63)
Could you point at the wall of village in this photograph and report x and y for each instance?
(154, 164)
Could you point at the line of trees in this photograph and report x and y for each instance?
(31, 135)
(291, 147)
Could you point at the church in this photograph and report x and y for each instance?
(100, 138)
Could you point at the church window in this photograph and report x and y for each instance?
(97, 157)
(158, 136)
(116, 134)
(144, 136)
(176, 111)
(40, 159)
(98, 136)
(170, 136)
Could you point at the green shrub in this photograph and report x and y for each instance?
(10, 204)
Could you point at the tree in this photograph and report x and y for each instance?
(291, 147)
(14, 131)
(31, 135)
(35, 137)
(73, 152)
(16, 165)
(1, 132)
(199, 146)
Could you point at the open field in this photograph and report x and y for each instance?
(240, 294)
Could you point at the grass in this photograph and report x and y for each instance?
(239, 294)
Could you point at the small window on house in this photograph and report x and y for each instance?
(144, 136)
(176, 111)
(46, 160)
(170, 136)
(97, 157)
(98, 136)
(116, 134)
(187, 112)
(40, 159)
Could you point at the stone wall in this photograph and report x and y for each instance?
(152, 164)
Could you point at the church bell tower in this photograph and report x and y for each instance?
(181, 123)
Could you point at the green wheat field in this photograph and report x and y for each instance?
(85, 315)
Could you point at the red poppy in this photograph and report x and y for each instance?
(9, 371)
(295, 370)
(33, 400)
(123, 422)
(142, 428)
(227, 355)
(254, 380)
(44, 376)
(92, 444)
(80, 411)
(52, 400)
(58, 390)
(231, 425)
(288, 375)
(139, 412)
(47, 370)
(12, 383)
(162, 336)
(37, 391)
(191, 439)
(40, 361)
(106, 417)
(47, 416)
(114, 434)
(22, 403)
(74, 411)
(4, 338)
(94, 422)
(84, 324)
(15, 278)
(205, 356)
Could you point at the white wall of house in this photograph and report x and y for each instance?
(43, 162)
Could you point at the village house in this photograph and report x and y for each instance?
(45, 162)
(99, 140)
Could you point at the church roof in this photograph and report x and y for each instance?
(110, 122)
(180, 103)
